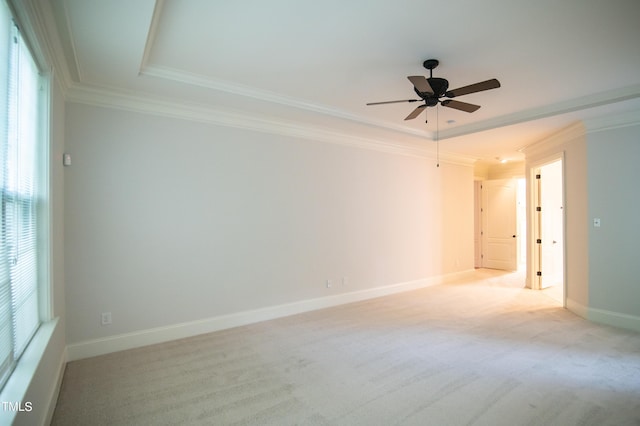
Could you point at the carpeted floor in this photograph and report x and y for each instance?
(481, 352)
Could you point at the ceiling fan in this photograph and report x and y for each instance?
(432, 89)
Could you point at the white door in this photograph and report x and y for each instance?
(499, 239)
(551, 225)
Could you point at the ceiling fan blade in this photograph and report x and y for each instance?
(416, 112)
(420, 83)
(462, 106)
(393, 102)
(473, 88)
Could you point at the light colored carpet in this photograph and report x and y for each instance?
(481, 352)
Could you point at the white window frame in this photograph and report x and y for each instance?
(15, 387)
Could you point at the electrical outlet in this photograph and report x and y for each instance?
(345, 281)
(105, 318)
(329, 283)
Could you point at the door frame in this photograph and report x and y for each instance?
(534, 255)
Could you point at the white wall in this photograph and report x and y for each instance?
(570, 143)
(601, 175)
(614, 197)
(170, 221)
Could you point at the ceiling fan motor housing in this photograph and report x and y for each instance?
(439, 86)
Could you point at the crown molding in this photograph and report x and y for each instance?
(581, 128)
(41, 16)
(577, 104)
(158, 7)
(142, 103)
(67, 47)
(36, 20)
(196, 80)
(572, 105)
(625, 119)
(556, 140)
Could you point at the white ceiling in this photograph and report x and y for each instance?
(317, 63)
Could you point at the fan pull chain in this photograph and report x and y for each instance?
(437, 137)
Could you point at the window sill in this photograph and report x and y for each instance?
(18, 384)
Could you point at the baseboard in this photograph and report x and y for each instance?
(602, 316)
(577, 308)
(55, 391)
(616, 319)
(152, 336)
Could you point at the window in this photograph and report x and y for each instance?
(19, 178)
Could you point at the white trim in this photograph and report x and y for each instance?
(532, 253)
(577, 308)
(577, 104)
(577, 129)
(141, 338)
(599, 124)
(616, 319)
(555, 141)
(112, 98)
(55, 389)
(20, 380)
(151, 34)
(196, 80)
(38, 27)
(603, 316)
(66, 48)
(44, 182)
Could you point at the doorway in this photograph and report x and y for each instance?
(500, 223)
(548, 229)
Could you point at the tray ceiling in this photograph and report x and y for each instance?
(317, 64)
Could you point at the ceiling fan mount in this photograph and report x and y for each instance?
(430, 64)
(439, 85)
(432, 89)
